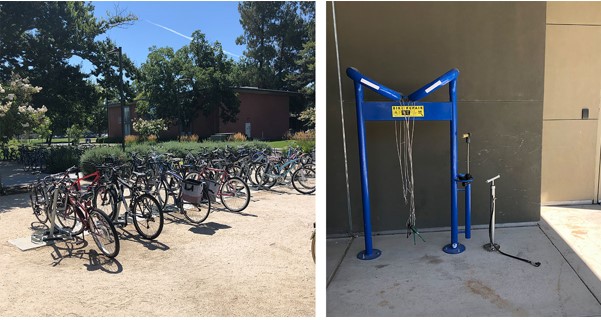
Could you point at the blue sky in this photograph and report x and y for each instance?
(170, 23)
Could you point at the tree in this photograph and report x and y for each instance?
(16, 113)
(194, 80)
(37, 40)
(304, 77)
(280, 53)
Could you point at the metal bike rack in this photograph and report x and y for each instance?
(55, 233)
(389, 111)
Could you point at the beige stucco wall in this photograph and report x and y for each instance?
(572, 82)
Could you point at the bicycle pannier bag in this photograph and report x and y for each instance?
(192, 191)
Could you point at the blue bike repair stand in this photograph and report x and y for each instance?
(395, 111)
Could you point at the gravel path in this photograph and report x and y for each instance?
(257, 263)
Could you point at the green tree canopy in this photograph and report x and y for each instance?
(38, 40)
(280, 48)
(195, 79)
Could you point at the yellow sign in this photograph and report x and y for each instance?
(407, 111)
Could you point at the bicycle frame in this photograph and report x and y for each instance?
(97, 176)
(288, 165)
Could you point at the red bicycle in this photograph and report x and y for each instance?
(75, 214)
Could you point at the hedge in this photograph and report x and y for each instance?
(98, 155)
(62, 158)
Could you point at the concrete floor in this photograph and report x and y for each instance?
(422, 280)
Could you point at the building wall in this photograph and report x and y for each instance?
(570, 154)
(114, 120)
(268, 115)
(498, 48)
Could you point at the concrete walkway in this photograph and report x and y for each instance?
(14, 176)
(422, 280)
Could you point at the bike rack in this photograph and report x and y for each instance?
(391, 111)
(54, 233)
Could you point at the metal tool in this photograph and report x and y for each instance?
(492, 246)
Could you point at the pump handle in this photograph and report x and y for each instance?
(493, 179)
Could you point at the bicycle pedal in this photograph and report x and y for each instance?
(120, 222)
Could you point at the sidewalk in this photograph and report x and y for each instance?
(422, 280)
(14, 177)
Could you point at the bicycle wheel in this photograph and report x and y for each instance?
(234, 194)
(265, 175)
(105, 199)
(172, 190)
(198, 212)
(104, 233)
(147, 216)
(66, 218)
(303, 180)
(37, 199)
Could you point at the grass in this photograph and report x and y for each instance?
(58, 140)
(280, 144)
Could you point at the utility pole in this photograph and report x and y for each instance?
(122, 100)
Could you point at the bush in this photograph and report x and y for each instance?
(131, 139)
(74, 133)
(152, 139)
(305, 140)
(61, 158)
(190, 138)
(238, 137)
(146, 128)
(96, 156)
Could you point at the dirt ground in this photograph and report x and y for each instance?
(257, 263)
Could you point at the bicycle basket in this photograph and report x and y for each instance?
(192, 190)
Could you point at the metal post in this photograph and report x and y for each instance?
(122, 100)
(369, 253)
(454, 247)
(468, 210)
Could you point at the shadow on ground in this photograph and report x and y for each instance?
(11, 202)
(93, 261)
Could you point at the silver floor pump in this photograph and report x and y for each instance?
(492, 246)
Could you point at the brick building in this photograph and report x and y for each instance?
(264, 114)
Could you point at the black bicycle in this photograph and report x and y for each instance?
(143, 208)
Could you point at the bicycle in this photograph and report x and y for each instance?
(169, 183)
(75, 214)
(303, 179)
(39, 192)
(267, 175)
(144, 209)
(233, 192)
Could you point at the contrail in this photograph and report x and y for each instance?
(185, 36)
(169, 29)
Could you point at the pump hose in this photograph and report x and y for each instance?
(536, 264)
(490, 226)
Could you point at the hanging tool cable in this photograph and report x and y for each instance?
(404, 144)
(492, 246)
